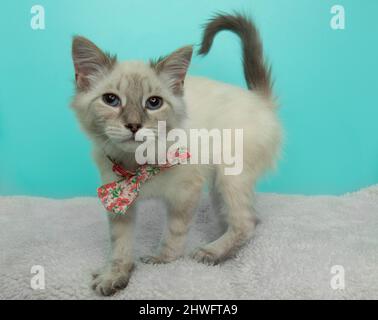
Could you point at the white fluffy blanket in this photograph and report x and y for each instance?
(297, 242)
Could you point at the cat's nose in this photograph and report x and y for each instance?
(133, 127)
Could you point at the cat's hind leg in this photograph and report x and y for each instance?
(233, 196)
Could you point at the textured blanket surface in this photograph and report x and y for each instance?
(297, 243)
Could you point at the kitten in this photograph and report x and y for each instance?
(116, 99)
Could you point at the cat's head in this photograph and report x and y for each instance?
(115, 100)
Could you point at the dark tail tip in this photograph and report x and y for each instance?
(256, 72)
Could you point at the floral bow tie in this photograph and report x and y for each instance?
(118, 196)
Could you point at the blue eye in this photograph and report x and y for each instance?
(154, 103)
(111, 99)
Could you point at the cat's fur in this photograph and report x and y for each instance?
(199, 103)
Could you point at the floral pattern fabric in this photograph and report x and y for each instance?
(118, 196)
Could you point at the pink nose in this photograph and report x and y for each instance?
(133, 127)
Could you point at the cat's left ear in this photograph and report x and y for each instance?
(174, 67)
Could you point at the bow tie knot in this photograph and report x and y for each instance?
(118, 196)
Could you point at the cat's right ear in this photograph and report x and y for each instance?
(89, 61)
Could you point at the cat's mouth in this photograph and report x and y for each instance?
(126, 140)
(131, 139)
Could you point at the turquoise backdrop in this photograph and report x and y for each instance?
(326, 81)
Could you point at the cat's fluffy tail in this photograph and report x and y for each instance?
(256, 72)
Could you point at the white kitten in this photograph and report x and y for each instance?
(114, 100)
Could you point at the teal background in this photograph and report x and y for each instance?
(326, 81)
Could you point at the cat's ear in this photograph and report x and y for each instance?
(174, 67)
(89, 61)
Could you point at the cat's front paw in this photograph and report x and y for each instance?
(110, 281)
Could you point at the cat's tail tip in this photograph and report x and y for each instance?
(256, 72)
